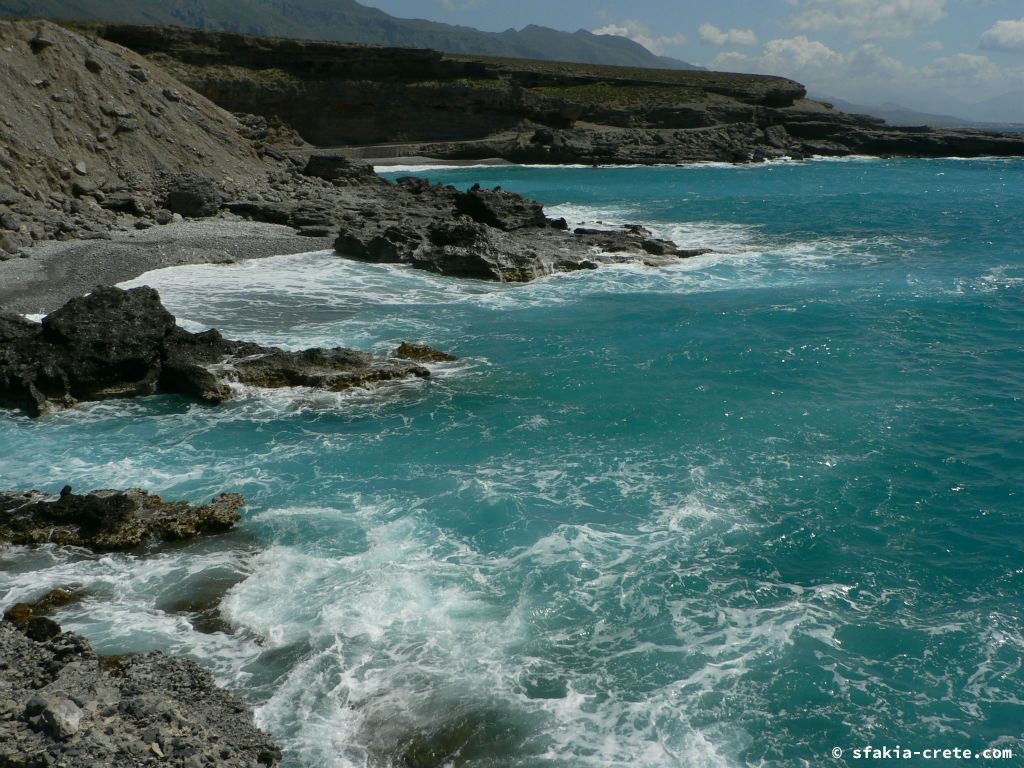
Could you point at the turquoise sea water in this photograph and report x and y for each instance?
(737, 512)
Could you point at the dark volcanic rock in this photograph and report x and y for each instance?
(62, 704)
(108, 521)
(115, 343)
(484, 234)
(193, 195)
(501, 209)
(339, 169)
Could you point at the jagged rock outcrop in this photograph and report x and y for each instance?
(116, 343)
(488, 235)
(62, 704)
(110, 521)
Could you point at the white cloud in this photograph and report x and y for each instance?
(932, 46)
(709, 33)
(965, 69)
(867, 19)
(642, 34)
(871, 61)
(1005, 35)
(793, 57)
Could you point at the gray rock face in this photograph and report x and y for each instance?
(109, 521)
(62, 704)
(191, 194)
(116, 343)
(337, 169)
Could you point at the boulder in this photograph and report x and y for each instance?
(191, 194)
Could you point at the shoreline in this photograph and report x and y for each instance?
(49, 273)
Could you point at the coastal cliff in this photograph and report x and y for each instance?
(104, 141)
(380, 102)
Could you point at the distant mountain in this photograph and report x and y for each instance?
(1009, 106)
(348, 21)
(894, 114)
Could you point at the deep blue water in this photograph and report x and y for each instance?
(732, 513)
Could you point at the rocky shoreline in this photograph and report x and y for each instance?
(119, 156)
(61, 703)
(153, 152)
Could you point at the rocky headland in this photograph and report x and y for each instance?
(378, 102)
(114, 130)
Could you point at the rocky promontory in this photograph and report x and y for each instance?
(63, 704)
(109, 520)
(490, 234)
(116, 343)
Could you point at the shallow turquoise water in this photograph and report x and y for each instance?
(732, 513)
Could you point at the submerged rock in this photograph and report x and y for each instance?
(116, 343)
(108, 520)
(23, 614)
(423, 353)
(62, 704)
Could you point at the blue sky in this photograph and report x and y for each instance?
(953, 56)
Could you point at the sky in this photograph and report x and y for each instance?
(961, 57)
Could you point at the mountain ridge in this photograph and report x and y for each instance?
(349, 21)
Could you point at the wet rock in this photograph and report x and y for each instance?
(21, 614)
(41, 628)
(483, 234)
(205, 615)
(116, 343)
(107, 521)
(423, 353)
(628, 238)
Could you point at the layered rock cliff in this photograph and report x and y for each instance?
(380, 102)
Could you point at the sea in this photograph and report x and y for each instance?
(761, 508)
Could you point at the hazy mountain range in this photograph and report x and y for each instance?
(348, 21)
(985, 113)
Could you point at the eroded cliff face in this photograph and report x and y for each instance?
(378, 101)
